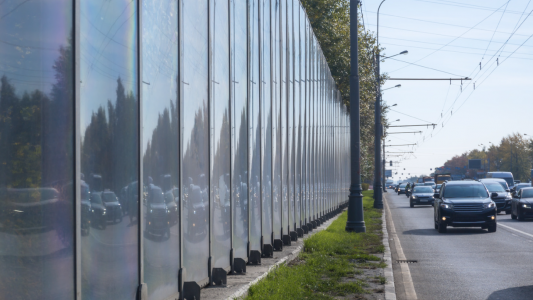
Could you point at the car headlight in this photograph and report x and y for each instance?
(167, 210)
(414, 197)
(92, 210)
(103, 212)
(489, 205)
(446, 205)
(526, 206)
(151, 211)
(194, 212)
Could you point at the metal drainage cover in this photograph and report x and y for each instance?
(406, 261)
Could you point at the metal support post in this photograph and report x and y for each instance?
(355, 220)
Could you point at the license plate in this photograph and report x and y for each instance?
(423, 200)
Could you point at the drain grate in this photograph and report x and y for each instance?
(406, 261)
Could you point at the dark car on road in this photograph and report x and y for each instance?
(421, 195)
(503, 200)
(521, 206)
(157, 213)
(464, 204)
(437, 188)
(518, 187)
(401, 188)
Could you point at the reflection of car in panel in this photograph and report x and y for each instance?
(401, 188)
(521, 206)
(172, 200)
(85, 208)
(98, 210)
(196, 210)
(157, 219)
(28, 209)
(112, 205)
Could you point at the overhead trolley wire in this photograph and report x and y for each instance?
(495, 29)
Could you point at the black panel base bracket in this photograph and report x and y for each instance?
(293, 235)
(278, 245)
(255, 257)
(239, 265)
(300, 232)
(287, 240)
(268, 251)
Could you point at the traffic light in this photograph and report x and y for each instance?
(391, 163)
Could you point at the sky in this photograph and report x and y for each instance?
(453, 37)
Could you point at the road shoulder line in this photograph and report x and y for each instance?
(407, 281)
(390, 289)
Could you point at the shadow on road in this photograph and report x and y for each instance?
(514, 221)
(516, 293)
(451, 231)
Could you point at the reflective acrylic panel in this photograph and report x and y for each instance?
(220, 136)
(276, 130)
(295, 201)
(195, 147)
(160, 147)
(109, 148)
(303, 95)
(239, 128)
(36, 151)
(254, 131)
(266, 123)
(290, 103)
(283, 107)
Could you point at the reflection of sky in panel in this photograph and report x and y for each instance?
(26, 58)
(107, 52)
(160, 40)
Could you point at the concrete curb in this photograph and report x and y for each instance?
(243, 291)
(390, 289)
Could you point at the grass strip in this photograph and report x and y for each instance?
(331, 260)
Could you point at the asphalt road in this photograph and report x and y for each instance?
(464, 263)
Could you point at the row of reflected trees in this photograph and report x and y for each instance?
(191, 202)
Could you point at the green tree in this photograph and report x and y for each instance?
(330, 20)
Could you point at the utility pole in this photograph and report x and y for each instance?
(355, 220)
(383, 168)
(378, 194)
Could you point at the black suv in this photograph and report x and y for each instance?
(464, 204)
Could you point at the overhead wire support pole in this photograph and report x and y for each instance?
(378, 128)
(432, 124)
(401, 145)
(404, 132)
(355, 220)
(447, 79)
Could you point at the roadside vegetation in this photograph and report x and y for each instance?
(333, 265)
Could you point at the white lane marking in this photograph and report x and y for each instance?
(520, 231)
(404, 268)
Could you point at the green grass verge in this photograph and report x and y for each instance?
(330, 257)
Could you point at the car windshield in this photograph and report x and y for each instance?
(109, 197)
(95, 198)
(521, 186)
(438, 186)
(423, 189)
(494, 187)
(429, 183)
(465, 191)
(403, 185)
(527, 193)
(509, 180)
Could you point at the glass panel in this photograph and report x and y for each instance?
(290, 108)
(195, 139)
(295, 205)
(300, 170)
(306, 133)
(283, 107)
(220, 137)
(160, 147)
(109, 121)
(276, 130)
(36, 151)
(254, 131)
(266, 124)
(240, 129)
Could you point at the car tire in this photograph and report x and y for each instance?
(520, 217)
(442, 227)
(508, 212)
(492, 227)
(411, 204)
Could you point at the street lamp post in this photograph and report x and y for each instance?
(355, 220)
